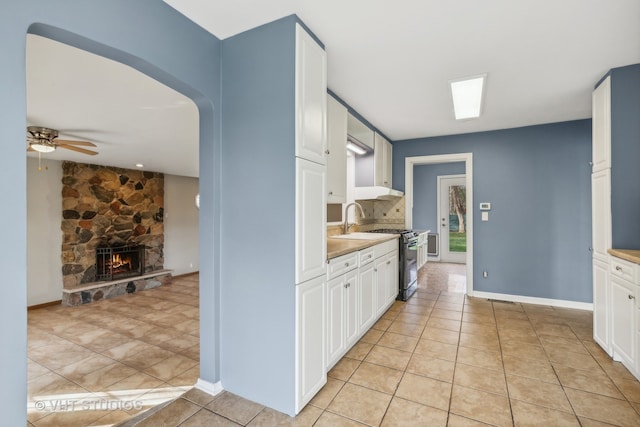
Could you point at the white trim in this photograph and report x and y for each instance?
(535, 300)
(209, 388)
(467, 158)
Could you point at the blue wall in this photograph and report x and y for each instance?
(153, 38)
(625, 157)
(425, 193)
(258, 215)
(536, 242)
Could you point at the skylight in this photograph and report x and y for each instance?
(467, 96)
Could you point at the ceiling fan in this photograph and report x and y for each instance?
(44, 140)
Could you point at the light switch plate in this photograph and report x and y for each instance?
(485, 216)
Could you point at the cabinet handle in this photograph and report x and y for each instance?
(327, 152)
(389, 262)
(618, 268)
(632, 297)
(331, 193)
(375, 270)
(346, 264)
(369, 256)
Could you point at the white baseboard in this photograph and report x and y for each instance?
(209, 388)
(535, 300)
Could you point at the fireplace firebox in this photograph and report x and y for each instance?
(118, 262)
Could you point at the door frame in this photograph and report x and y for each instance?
(467, 158)
(441, 241)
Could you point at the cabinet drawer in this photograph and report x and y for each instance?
(367, 256)
(623, 269)
(342, 264)
(386, 247)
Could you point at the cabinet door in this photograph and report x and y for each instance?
(392, 281)
(601, 123)
(335, 319)
(383, 265)
(382, 161)
(311, 220)
(336, 152)
(311, 367)
(367, 283)
(351, 308)
(623, 321)
(601, 213)
(311, 98)
(601, 305)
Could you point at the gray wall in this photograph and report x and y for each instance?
(258, 214)
(625, 157)
(425, 193)
(153, 38)
(180, 224)
(44, 237)
(537, 179)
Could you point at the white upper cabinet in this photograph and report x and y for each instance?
(383, 155)
(336, 152)
(311, 98)
(359, 131)
(601, 123)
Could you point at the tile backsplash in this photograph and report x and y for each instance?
(378, 214)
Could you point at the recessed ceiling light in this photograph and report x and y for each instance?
(139, 165)
(467, 94)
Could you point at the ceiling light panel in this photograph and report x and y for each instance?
(467, 94)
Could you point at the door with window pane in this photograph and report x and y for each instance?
(452, 216)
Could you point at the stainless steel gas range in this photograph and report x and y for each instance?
(407, 261)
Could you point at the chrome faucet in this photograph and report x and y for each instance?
(346, 219)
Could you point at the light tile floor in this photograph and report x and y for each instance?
(102, 363)
(440, 359)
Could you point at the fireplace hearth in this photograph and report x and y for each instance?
(117, 262)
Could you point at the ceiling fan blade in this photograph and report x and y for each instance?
(78, 149)
(84, 143)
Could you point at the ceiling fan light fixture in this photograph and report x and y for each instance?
(42, 147)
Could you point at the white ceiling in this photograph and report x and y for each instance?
(131, 118)
(391, 61)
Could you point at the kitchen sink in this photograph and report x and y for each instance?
(362, 236)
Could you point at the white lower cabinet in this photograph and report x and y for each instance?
(361, 287)
(394, 277)
(623, 312)
(383, 276)
(623, 321)
(342, 325)
(601, 305)
(367, 302)
(311, 364)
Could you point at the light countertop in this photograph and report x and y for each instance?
(338, 247)
(631, 255)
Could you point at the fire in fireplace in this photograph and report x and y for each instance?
(119, 262)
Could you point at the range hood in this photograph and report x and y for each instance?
(376, 193)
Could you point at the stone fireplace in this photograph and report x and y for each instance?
(108, 213)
